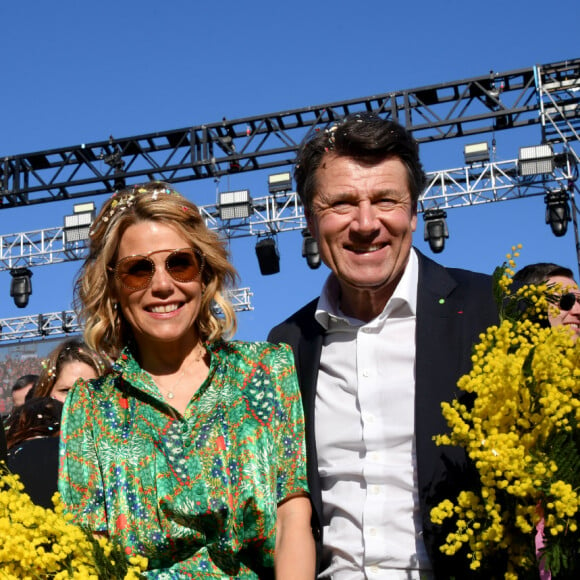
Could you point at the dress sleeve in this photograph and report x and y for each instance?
(80, 482)
(290, 440)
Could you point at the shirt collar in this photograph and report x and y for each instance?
(405, 295)
(127, 367)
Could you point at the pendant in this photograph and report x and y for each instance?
(170, 395)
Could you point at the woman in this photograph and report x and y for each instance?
(32, 440)
(191, 452)
(70, 360)
(34, 427)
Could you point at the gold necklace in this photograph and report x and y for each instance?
(168, 393)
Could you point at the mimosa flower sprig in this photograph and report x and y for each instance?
(522, 435)
(39, 543)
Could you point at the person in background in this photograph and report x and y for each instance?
(376, 354)
(567, 310)
(70, 360)
(191, 451)
(2, 444)
(21, 388)
(32, 439)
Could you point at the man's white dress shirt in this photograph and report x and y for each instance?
(365, 425)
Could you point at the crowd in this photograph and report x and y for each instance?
(11, 368)
(310, 455)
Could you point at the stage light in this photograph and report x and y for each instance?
(476, 153)
(310, 250)
(78, 225)
(21, 286)
(558, 211)
(235, 204)
(43, 325)
(536, 160)
(66, 322)
(268, 256)
(435, 229)
(280, 182)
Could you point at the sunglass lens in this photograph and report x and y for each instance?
(136, 273)
(183, 266)
(567, 301)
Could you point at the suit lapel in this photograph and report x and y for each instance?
(308, 362)
(437, 334)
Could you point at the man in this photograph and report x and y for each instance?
(567, 311)
(376, 354)
(21, 387)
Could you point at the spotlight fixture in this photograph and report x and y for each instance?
(43, 325)
(476, 153)
(235, 204)
(268, 256)
(558, 211)
(21, 286)
(310, 250)
(280, 182)
(78, 225)
(536, 160)
(66, 322)
(435, 229)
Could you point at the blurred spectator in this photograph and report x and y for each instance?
(70, 360)
(566, 311)
(33, 428)
(21, 388)
(32, 439)
(12, 367)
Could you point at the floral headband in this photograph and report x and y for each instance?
(128, 197)
(50, 371)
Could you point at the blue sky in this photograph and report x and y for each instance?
(77, 72)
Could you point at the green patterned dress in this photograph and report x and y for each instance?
(196, 494)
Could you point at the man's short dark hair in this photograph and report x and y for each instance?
(364, 136)
(24, 381)
(540, 272)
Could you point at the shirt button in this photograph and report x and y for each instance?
(365, 373)
(374, 569)
(372, 531)
(367, 330)
(375, 490)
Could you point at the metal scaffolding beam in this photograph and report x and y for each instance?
(492, 102)
(548, 95)
(66, 321)
(450, 188)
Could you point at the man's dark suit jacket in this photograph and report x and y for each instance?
(453, 307)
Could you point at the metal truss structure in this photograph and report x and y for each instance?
(545, 94)
(65, 322)
(548, 95)
(469, 185)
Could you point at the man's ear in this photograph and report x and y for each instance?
(414, 218)
(311, 224)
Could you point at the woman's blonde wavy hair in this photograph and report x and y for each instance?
(105, 328)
